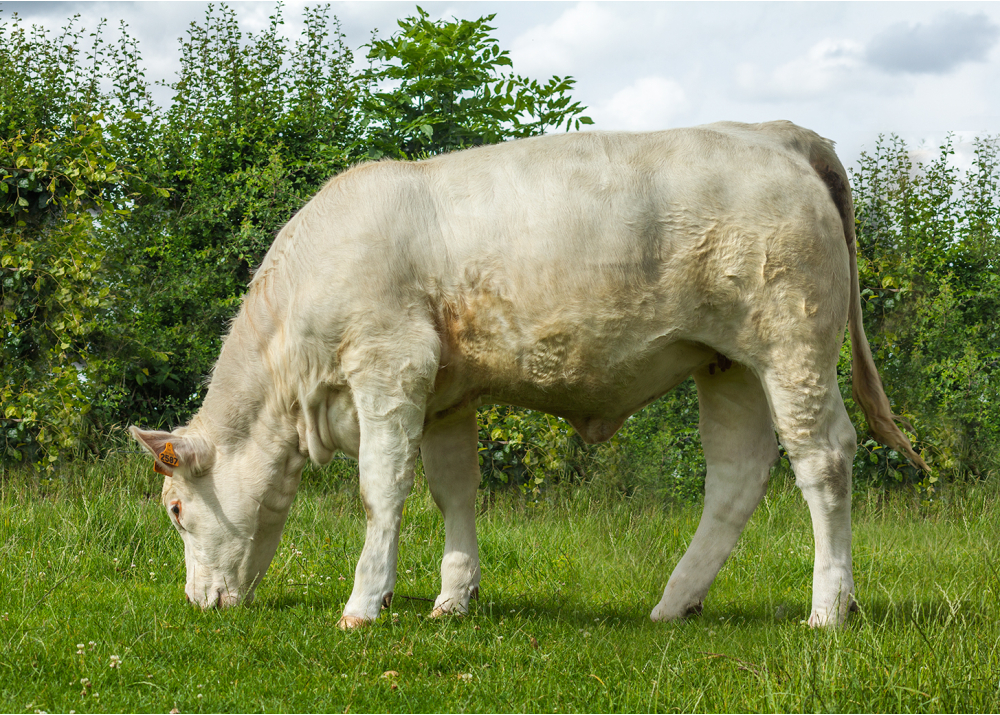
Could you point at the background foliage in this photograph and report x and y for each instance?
(130, 231)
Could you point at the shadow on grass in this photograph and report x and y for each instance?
(929, 613)
(489, 608)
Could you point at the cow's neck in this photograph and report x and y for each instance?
(244, 399)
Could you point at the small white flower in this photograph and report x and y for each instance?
(116, 662)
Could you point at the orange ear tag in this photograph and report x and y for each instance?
(168, 457)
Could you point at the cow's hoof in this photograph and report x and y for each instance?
(668, 613)
(835, 616)
(442, 611)
(827, 619)
(349, 623)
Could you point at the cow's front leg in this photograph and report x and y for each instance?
(451, 463)
(390, 433)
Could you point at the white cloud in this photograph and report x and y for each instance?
(647, 103)
(831, 66)
(582, 31)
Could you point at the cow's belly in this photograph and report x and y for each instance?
(594, 386)
(599, 405)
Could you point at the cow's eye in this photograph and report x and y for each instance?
(175, 509)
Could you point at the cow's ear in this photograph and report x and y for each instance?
(172, 451)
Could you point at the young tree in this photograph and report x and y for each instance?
(436, 86)
(255, 126)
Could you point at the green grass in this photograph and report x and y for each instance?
(562, 623)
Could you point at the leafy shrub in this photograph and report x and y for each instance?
(929, 245)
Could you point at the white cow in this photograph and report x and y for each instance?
(584, 275)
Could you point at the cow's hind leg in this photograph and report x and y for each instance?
(820, 440)
(451, 463)
(740, 448)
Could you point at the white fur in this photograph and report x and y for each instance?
(584, 275)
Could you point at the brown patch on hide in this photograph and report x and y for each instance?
(840, 192)
(470, 328)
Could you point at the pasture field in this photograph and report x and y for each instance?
(93, 618)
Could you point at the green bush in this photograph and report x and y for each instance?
(929, 246)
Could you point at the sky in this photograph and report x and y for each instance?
(849, 70)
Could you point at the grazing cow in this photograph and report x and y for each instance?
(584, 275)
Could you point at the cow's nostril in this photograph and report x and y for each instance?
(187, 598)
(218, 601)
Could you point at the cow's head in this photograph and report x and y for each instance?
(228, 504)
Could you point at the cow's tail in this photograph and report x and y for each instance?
(866, 385)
